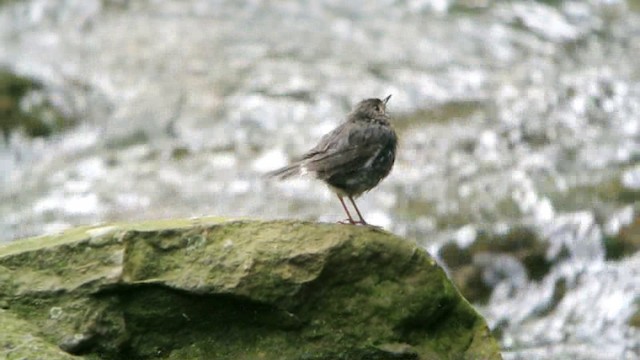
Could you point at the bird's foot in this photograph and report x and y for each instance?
(353, 222)
(347, 222)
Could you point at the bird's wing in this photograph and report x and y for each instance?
(329, 141)
(347, 148)
(329, 164)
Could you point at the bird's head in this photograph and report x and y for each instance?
(371, 108)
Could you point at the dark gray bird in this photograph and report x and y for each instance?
(354, 157)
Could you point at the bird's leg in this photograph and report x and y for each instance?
(347, 221)
(362, 222)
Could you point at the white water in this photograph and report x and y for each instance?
(532, 109)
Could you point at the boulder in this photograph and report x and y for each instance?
(214, 289)
(39, 119)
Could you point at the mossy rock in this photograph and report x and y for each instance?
(521, 243)
(205, 289)
(625, 243)
(41, 119)
(634, 320)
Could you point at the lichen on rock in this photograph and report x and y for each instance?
(206, 289)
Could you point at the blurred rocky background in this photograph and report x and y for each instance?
(519, 163)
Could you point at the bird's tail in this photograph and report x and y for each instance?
(286, 172)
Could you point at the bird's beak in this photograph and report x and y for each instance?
(386, 99)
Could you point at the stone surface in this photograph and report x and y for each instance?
(625, 243)
(39, 119)
(206, 289)
(468, 265)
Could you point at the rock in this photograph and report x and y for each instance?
(206, 289)
(520, 244)
(20, 339)
(625, 243)
(634, 320)
(39, 119)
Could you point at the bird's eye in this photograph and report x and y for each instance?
(378, 108)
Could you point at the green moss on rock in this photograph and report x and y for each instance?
(41, 119)
(520, 242)
(634, 321)
(625, 243)
(21, 339)
(206, 289)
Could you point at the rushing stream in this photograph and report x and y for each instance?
(510, 113)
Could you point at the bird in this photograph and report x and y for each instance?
(353, 158)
